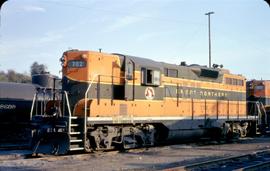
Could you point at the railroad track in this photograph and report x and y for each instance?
(259, 160)
(251, 161)
(79, 155)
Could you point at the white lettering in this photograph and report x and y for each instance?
(7, 106)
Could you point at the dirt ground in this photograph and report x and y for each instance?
(155, 158)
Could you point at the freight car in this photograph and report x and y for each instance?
(15, 106)
(120, 101)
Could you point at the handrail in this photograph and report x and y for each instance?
(85, 106)
(86, 92)
(109, 76)
(116, 76)
(261, 113)
(69, 112)
(176, 99)
(32, 107)
(264, 112)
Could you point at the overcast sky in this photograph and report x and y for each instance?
(162, 30)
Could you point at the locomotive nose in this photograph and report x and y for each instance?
(75, 65)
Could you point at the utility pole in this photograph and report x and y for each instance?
(209, 36)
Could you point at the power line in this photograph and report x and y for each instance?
(122, 13)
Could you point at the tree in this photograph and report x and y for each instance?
(3, 77)
(24, 78)
(12, 76)
(37, 68)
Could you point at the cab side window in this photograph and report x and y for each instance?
(150, 77)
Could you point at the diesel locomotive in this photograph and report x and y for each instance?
(259, 90)
(258, 97)
(113, 101)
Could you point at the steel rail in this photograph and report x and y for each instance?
(215, 163)
(260, 166)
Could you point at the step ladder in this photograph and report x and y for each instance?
(76, 133)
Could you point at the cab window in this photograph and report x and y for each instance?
(150, 77)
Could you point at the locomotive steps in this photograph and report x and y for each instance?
(76, 134)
